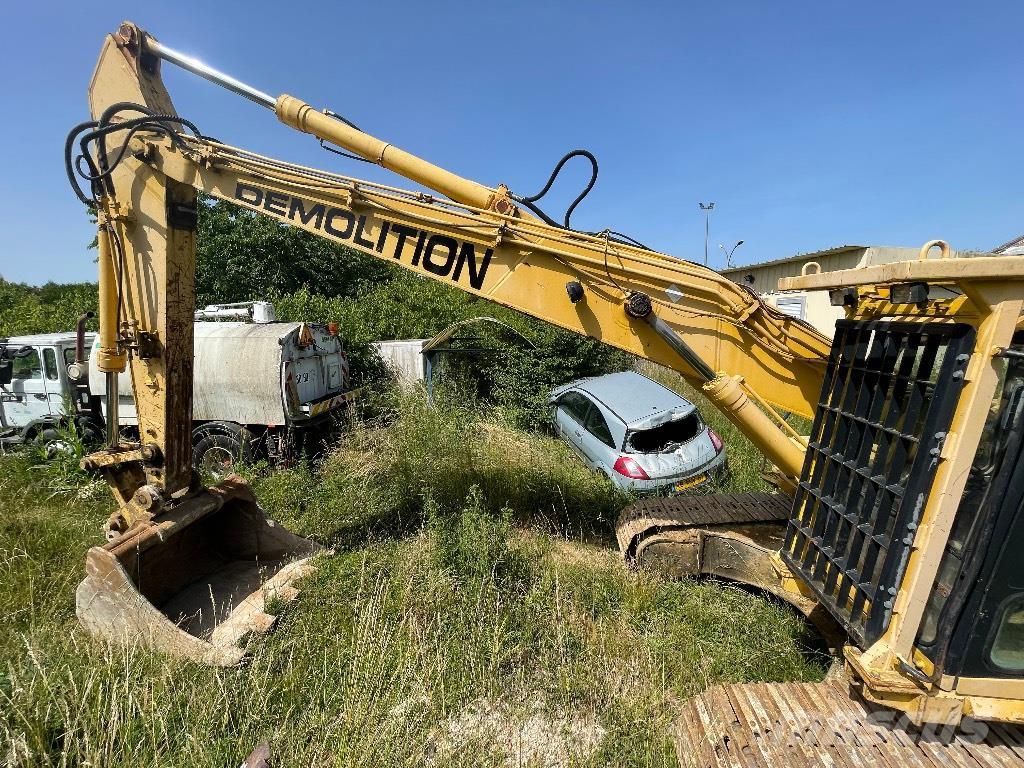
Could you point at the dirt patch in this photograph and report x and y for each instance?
(516, 737)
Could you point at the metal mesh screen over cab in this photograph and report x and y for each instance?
(888, 397)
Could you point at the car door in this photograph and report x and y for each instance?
(570, 414)
(597, 441)
(25, 397)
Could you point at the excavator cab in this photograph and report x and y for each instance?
(907, 516)
(973, 625)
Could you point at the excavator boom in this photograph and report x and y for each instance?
(146, 165)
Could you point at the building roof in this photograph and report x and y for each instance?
(1013, 248)
(797, 257)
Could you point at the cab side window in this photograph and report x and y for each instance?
(50, 360)
(1007, 651)
(27, 367)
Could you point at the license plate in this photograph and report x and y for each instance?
(692, 482)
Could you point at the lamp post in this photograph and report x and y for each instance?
(707, 208)
(729, 252)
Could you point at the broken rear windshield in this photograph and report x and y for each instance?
(665, 437)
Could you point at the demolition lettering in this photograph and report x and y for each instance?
(441, 255)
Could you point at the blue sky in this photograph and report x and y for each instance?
(810, 124)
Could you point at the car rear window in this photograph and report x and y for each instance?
(666, 437)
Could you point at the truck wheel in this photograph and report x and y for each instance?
(92, 435)
(53, 443)
(217, 453)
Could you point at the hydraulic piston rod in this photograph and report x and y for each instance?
(726, 392)
(197, 67)
(303, 117)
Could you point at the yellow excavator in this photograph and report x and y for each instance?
(895, 522)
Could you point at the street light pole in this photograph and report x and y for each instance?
(729, 252)
(707, 208)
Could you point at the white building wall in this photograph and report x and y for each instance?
(405, 358)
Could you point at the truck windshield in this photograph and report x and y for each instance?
(666, 437)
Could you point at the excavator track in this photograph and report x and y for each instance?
(730, 536)
(807, 725)
(655, 520)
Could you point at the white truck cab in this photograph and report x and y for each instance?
(36, 389)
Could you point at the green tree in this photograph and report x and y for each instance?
(53, 307)
(242, 256)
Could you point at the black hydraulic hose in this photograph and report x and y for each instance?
(530, 199)
(536, 209)
(69, 164)
(100, 129)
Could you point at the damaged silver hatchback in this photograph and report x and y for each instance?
(645, 437)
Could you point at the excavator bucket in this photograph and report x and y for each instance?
(195, 581)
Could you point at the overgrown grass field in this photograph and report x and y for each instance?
(474, 612)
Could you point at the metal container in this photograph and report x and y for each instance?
(267, 374)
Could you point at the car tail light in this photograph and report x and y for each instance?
(628, 467)
(715, 440)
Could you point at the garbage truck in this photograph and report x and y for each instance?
(262, 388)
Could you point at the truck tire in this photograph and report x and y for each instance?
(217, 452)
(53, 442)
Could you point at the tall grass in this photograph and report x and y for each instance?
(474, 613)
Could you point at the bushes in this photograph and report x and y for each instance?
(516, 377)
(26, 309)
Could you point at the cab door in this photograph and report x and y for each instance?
(55, 378)
(25, 399)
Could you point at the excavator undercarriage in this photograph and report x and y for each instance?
(735, 537)
(827, 725)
